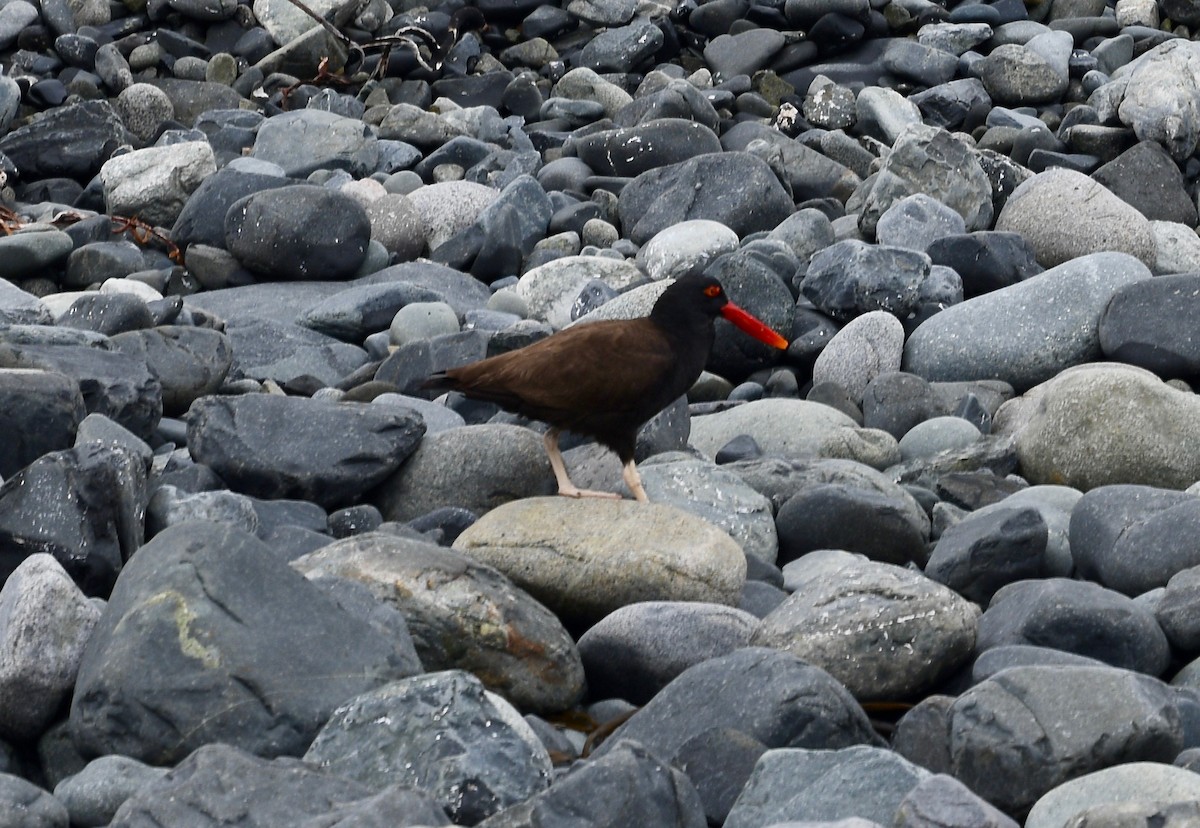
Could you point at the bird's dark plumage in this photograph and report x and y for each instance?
(606, 379)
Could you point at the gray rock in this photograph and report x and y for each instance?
(867, 346)
(603, 792)
(1147, 323)
(584, 84)
(83, 506)
(219, 779)
(1159, 101)
(735, 188)
(1015, 75)
(916, 221)
(981, 554)
(474, 467)
(169, 506)
(938, 434)
(1025, 333)
(821, 785)
(27, 254)
(311, 139)
(44, 622)
(42, 412)
(1136, 785)
(462, 615)
(631, 151)
(622, 48)
(143, 107)
(851, 277)
(1176, 610)
(930, 160)
(112, 383)
(276, 446)
(797, 428)
(883, 631)
(885, 114)
(768, 695)
(25, 805)
(396, 224)
(1099, 220)
(550, 290)
(809, 173)
(1056, 505)
(154, 183)
(1079, 617)
(189, 362)
(269, 350)
(211, 606)
(1137, 429)
(71, 141)
(298, 232)
(718, 496)
(1134, 538)
(93, 795)
(941, 800)
(1026, 730)
(685, 248)
(637, 650)
(1177, 247)
(575, 555)
(441, 733)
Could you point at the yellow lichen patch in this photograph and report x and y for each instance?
(189, 645)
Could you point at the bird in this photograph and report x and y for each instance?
(606, 379)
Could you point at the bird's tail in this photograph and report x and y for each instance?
(441, 381)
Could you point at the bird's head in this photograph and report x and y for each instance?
(706, 295)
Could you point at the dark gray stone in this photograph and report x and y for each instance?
(202, 220)
(735, 188)
(768, 695)
(40, 412)
(840, 515)
(851, 277)
(274, 446)
(82, 505)
(188, 362)
(1077, 616)
(300, 232)
(633, 150)
(210, 606)
(72, 141)
(1134, 538)
(440, 733)
(985, 260)
(977, 556)
(1148, 178)
(1149, 324)
(25, 805)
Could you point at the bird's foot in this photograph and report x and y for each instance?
(577, 493)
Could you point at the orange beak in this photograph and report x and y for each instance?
(752, 326)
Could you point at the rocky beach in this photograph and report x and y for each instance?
(936, 564)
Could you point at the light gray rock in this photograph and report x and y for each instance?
(462, 615)
(685, 247)
(938, 434)
(583, 84)
(1025, 333)
(25, 805)
(450, 207)
(1160, 97)
(884, 113)
(940, 801)
(1099, 220)
(916, 221)
(1103, 424)
(422, 320)
(45, 620)
(550, 291)
(154, 183)
(439, 732)
(1054, 503)
(1144, 782)
(866, 347)
(883, 631)
(822, 785)
(474, 467)
(1177, 248)
(586, 558)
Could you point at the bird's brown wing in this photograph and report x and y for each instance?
(601, 366)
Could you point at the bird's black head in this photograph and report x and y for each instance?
(693, 301)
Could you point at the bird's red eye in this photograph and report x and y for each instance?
(712, 291)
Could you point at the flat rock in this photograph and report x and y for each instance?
(462, 615)
(1137, 429)
(981, 554)
(574, 555)
(1134, 785)
(270, 445)
(881, 630)
(189, 362)
(1148, 323)
(44, 407)
(1025, 333)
